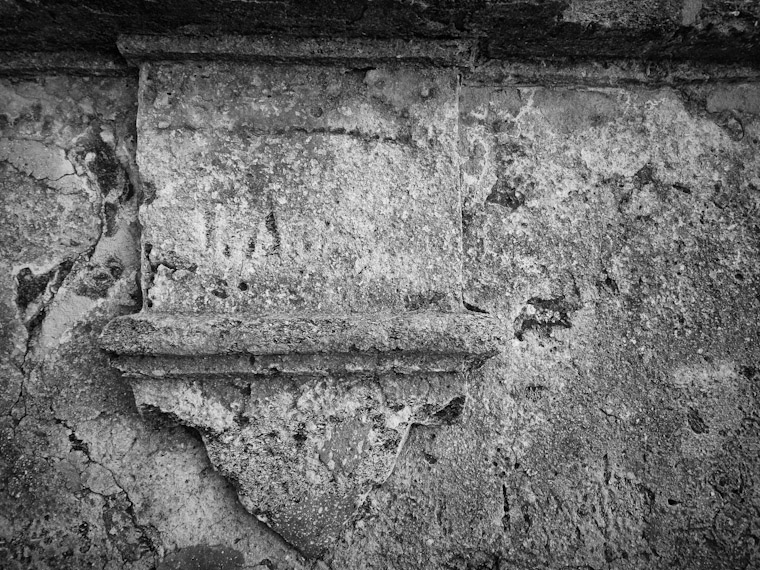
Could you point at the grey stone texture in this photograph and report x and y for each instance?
(306, 414)
(615, 231)
(609, 227)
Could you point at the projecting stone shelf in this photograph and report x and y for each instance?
(305, 413)
(161, 344)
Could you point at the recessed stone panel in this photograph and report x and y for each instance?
(299, 187)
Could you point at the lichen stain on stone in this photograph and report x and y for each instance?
(452, 411)
(110, 211)
(101, 160)
(506, 195)
(271, 225)
(148, 192)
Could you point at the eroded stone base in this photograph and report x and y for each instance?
(304, 452)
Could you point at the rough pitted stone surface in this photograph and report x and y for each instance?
(84, 480)
(616, 231)
(303, 452)
(285, 188)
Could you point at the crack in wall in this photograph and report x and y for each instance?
(148, 532)
(11, 164)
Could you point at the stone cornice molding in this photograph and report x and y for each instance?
(471, 335)
(355, 52)
(167, 346)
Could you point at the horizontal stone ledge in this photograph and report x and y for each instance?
(237, 367)
(421, 337)
(62, 62)
(614, 73)
(354, 52)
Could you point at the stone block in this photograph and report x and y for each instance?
(299, 187)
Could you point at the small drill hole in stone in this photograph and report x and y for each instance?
(243, 286)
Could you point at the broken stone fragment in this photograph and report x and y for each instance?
(305, 414)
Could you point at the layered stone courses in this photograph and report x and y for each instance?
(354, 52)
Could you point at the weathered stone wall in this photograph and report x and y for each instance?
(611, 228)
(85, 481)
(614, 231)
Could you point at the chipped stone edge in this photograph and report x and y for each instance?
(17, 63)
(139, 48)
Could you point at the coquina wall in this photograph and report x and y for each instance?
(609, 225)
